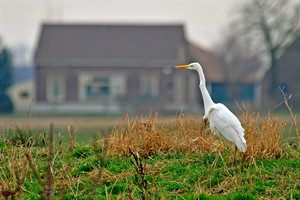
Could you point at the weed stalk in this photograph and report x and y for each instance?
(72, 138)
(289, 107)
(140, 171)
(47, 185)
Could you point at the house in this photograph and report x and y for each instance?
(22, 95)
(288, 74)
(111, 68)
(22, 90)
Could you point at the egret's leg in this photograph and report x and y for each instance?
(234, 157)
(219, 153)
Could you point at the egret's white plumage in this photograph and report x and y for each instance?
(222, 121)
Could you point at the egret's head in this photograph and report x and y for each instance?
(192, 66)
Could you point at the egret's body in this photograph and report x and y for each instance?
(222, 121)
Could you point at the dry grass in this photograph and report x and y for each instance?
(50, 171)
(147, 135)
(263, 135)
(13, 170)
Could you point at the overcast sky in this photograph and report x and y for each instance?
(204, 20)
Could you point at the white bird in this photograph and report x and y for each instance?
(221, 120)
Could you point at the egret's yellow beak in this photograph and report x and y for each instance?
(182, 66)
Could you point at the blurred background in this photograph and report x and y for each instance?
(102, 58)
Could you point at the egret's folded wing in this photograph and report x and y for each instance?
(228, 125)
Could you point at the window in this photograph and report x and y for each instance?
(105, 88)
(149, 86)
(55, 89)
(23, 94)
(97, 87)
(118, 86)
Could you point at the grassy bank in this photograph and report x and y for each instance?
(149, 158)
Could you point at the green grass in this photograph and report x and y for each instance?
(83, 136)
(86, 172)
(169, 176)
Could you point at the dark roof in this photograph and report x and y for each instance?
(94, 44)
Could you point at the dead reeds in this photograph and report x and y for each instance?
(264, 136)
(148, 135)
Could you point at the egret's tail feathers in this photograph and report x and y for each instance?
(241, 144)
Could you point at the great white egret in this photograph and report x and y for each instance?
(221, 120)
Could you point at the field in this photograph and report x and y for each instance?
(86, 126)
(146, 157)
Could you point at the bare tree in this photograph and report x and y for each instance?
(272, 25)
(240, 62)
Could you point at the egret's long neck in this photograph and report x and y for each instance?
(208, 102)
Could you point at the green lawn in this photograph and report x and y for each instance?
(83, 174)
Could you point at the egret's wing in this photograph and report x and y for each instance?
(225, 122)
